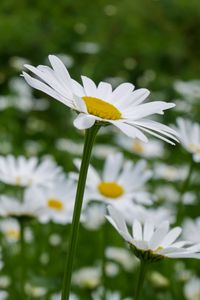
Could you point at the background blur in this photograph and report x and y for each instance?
(153, 44)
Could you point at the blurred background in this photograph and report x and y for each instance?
(151, 43)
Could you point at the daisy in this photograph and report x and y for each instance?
(12, 207)
(153, 243)
(191, 229)
(189, 134)
(10, 229)
(132, 211)
(28, 172)
(57, 202)
(122, 107)
(119, 181)
(192, 289)
(152, 149)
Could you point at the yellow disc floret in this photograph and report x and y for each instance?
(55, 204)
(138, 147)
(101, 109)
(110, 189)
(194, 148)
(13, 234)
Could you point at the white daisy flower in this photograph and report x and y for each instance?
(191, 230)
(12, 207)
(87, 277)
(122, 107)
(10, 229)
(28, 172)
(192, 289)
(190, 90)
(169, 172)
(121, 256)
(152, 149)
(94, 216)
(120, 180)
(57, 202)
(189, 134)
(150, 242)
(132, 211)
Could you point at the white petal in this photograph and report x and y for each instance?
(171, 237)
(158, 235)
(112, 167)
(89, 86)
(148, 230)
(137, 230)
(62, 73)
(104, 90)
(84, 121)
(130, 130)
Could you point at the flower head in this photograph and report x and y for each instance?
(122, 107)
(120, 180)
(57, 202)
(150, 242)
(189, 134)
(28, 172)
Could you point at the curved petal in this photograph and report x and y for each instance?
(84, 121)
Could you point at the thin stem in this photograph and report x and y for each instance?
(142, 271)
(89, 141)
(183, 189)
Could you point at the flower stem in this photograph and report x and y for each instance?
(142, 271)
(183, 189)
(89, 141)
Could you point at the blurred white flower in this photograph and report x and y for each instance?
(17, 62)
(3, 295)
(5, 281)
(101, 151)
(189, 134)
(28, 172)
(57, 201)
(10, 229)
(35, 291)
(12, 207)
(132, 211)
(158, 280)
(121, 256)
(150, 242)
(55, 239)
(190, 90)
(192, 289)
(191, 230)
(122, 107)
(169, 172)
(112, 269)
(58, 297)
(153, 148)
(94, 216)
(88, 277)
(75, 148)
(119, 181)
(87, 47)
(110, 295)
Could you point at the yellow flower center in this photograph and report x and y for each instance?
(194, 148)
(13, 234)
(18, 180)
(55, 204)
(110, 189)
(138, 147)
(159, 248)
(101, 109)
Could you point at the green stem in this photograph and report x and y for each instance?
(89, 141)
(142, 271)
(183, 189)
